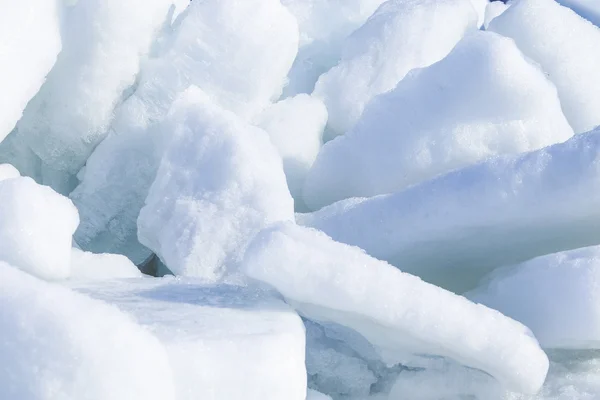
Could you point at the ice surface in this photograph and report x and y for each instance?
(223, 342)
(7, 171)
(555, 295)
(456, 228)
(29, 43)
(295, 126)
(57, 344)
(314, 395)
(400, 36)
(401, 315)
(36, 228)
(240, 62)
(568, 49)
(484, 99)
(90, 266)
(493, 10)
(219, 183)
(104, 42)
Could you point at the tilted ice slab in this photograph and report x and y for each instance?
(484, 99)
(57, 344)
(400, 36)
(36, 228)
(555, 295)
(29, 43)
(397, 312)
(104, 42)
(219, 183)
(240, 62)
(455, 229)
(566, 46)
(223, 342)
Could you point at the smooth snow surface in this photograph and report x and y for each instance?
(57, 344)
(556, 296)
(588, 9)
(240, 62)
(219, 183)
(455, 229)
(85, 265)
(493, 10)
(329, 281)
(400, 36)
(223, 341)
(29, 43)
(568, 49)
(36, 228)
(7, 171)
(484, 99)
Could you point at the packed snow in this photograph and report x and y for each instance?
(299, 199)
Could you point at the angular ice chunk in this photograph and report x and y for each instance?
(566, 46)
(295, 126)
(455, 229)
(483, 99)
(219, 183)
(401, 315)
(223, 342)
(29, 43)
(400, 36)
(57, 344)
(85, 265)
(7, 171)
(36, 228)
(555, 295)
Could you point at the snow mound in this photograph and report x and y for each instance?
(484, 99)
(455, 229)
(493, 10)
(566, 46)
(7, 171)
(30, 42)
(219, 183)
(554, 295)
(399, 36)
(57, 344)
(295, 126)
(223, 341)
(329, 281)
(240, 62)
(85, 265)
(36, 228)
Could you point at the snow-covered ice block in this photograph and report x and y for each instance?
(399, 36)
(223, 342)
(555, 295)
(29, 43)
(295, 126)
(240, 62)
(323, 25)
(7, 171)
(566, 46)
(455, 229)
(85, 265)
(493, 10)
(104, 42)
(588, 9)
(36, 228)
(58, 344)
(220, 182)
(402, 316)
(484, 99)
(480, 7)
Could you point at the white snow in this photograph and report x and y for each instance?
(29, 43)
(400, 36)
(455, 229)
(57, 344)
(240, 62)
(401, 315)
(219, 183)
(90, 266)
(588, 9)
(36, 228)
(484, 99)
(223, 341)
(295, 126)
(566, 46)
(555, 295)
(493, 10)
(7, 171)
